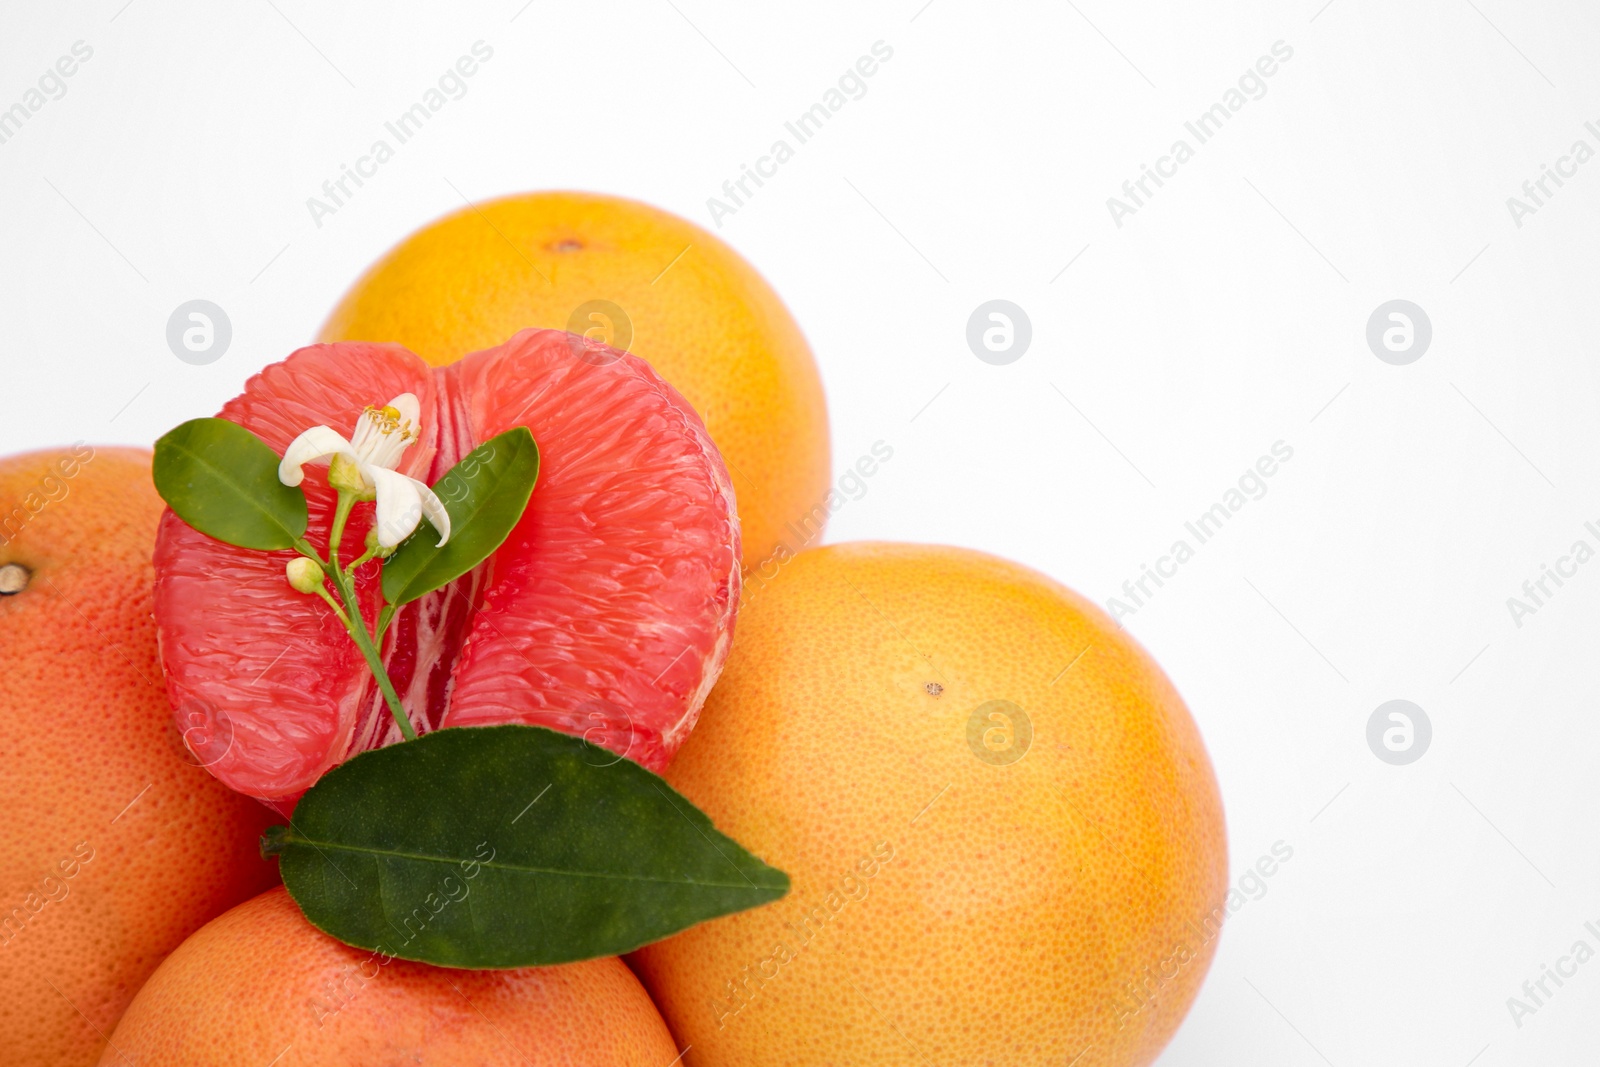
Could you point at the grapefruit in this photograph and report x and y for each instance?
(260, 985)
(607, 612)
(115, 845)
(1004, 835)
(637, 278)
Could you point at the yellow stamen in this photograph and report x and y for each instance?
(386, 420)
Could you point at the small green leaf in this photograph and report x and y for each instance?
(222, 479)
(485, 495)
(508, 846)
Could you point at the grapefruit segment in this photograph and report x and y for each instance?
(607, 612)
(610, 596)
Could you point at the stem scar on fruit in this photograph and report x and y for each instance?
(14, 578)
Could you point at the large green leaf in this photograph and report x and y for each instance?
(222, 479)
(485, 495)
(508, 846)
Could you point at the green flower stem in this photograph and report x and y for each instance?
(363, 558)
(341, 514)
(358, 633)
(378, 626)
(355, 622)
(385, 615)
(334, 604)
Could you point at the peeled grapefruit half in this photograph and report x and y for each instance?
(607, 612)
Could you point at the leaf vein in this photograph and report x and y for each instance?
(423, 857)
(229, 485)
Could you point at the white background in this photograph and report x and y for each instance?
(1226, 315)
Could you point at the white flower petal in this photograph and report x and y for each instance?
(409, 407)
(399, 504)
(313, 446)
(433, 510)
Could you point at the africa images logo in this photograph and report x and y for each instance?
(1251, 485)
(1251, 85)
(803, 128)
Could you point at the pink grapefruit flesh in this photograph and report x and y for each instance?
(607, 612)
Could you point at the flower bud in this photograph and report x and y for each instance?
(304, 575)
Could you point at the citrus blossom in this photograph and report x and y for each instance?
(374, 450)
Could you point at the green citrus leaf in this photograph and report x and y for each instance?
(508, 846)
(485, 495)
(222, 479)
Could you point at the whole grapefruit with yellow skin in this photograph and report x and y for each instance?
(260, 985)
(116, 844)
(634, 277)
(1005, 838)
